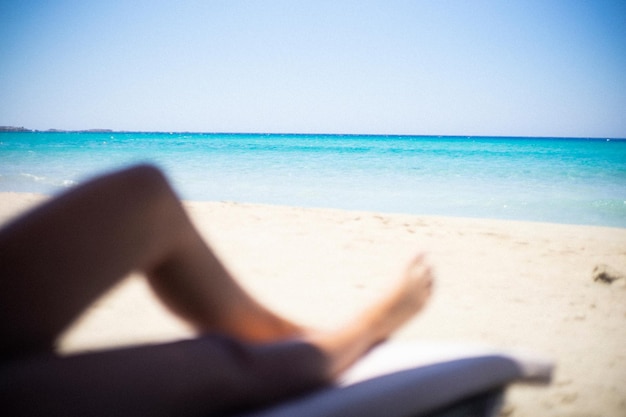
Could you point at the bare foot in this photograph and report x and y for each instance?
(346, 345)
(405, 300)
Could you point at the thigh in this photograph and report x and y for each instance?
(57, 259)
(211, 375)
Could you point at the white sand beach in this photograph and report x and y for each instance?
(503, 283)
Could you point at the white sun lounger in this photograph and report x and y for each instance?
(419, 379)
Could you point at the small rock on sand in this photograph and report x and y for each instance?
(607, 275)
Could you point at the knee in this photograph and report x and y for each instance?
(140, 187)
(144, 179)
(145, 174)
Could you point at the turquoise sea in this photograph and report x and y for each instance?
(578, 181)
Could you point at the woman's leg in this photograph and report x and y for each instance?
(207, 376)
(211, 375)
(57, 259)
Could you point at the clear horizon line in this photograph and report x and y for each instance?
(12, 129)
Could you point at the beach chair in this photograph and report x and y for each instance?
(420, 380)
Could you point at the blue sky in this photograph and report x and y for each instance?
(520, 68)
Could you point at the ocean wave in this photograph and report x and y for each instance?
(33, 177)
(56, 182)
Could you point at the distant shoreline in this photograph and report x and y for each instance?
(23, 129)
(14, 129)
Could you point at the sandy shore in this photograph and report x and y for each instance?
(507, 284)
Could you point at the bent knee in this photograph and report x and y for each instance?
(145, 174)
(144, 180)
